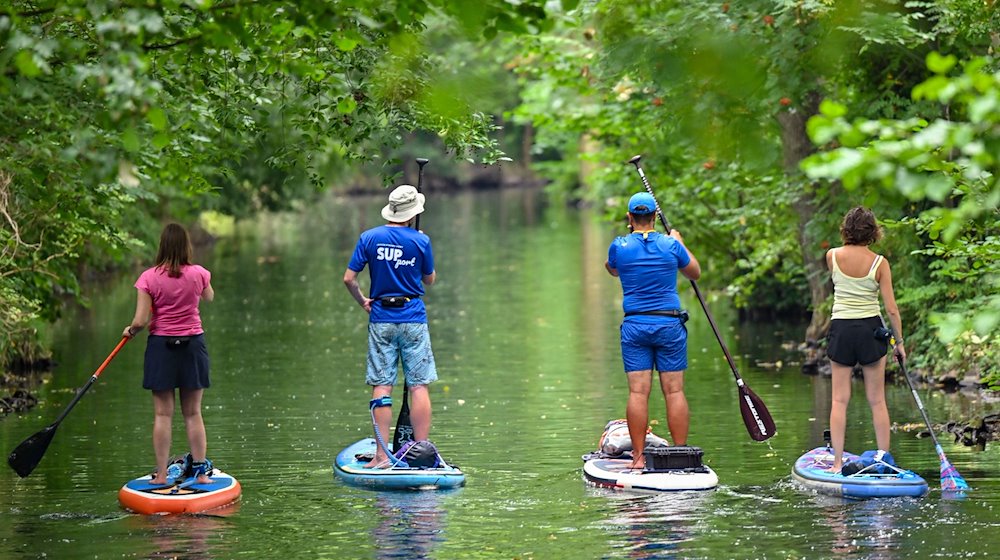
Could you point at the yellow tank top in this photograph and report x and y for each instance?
(855, 298)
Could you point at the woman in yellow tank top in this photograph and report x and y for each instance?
(859, 276)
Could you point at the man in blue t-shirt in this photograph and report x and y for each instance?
(400, 263)
(653, 331)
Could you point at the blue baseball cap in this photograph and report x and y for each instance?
(641, 203)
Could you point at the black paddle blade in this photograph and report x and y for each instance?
(26, 456)
(404, 429)
(755, 415)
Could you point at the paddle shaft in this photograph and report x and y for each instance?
(694, 284)
(404, 429)
(26, 456)
(761, 418)
(920, 403)
(93, 378)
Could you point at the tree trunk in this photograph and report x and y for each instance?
(796, 147)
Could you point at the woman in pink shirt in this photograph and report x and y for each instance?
(176, 356)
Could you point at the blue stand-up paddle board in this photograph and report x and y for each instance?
(349, 467)
(811, 471)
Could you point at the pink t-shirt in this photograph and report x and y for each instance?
(175, 300)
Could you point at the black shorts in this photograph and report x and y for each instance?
(171, 364)
(852, 341)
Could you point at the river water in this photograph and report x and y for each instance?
(524, 326)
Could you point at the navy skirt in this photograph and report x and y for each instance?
(175, 363)
(852, 341)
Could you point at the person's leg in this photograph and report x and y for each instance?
(163, 413)
(875, 391)
(678, 416)
(420, 411)
(383, 361)
(419, 370)
(383, 417)
(841, 389)
(195, 426)
(637, 413)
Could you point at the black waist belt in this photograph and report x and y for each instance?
(678, 313)
(397, 301)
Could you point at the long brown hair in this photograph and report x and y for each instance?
(175, 250)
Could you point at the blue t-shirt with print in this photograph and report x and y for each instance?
(647, 267)
(397, 258)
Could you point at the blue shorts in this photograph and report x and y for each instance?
(662, 343)
(390, 342)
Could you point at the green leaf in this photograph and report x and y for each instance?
(25, 61)
(346, 44)
(940, 64)
(347, 105)
(130, 140)
(832, 109)
(157, 118)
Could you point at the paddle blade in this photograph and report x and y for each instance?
(755, 415)
(25, 457)
(951, 481)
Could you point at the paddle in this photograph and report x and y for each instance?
(758, 420)
(404, 429)
(26, 456)
(950, 479)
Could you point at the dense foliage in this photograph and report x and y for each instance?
(717, 96)
(117, 114)
(951, 168)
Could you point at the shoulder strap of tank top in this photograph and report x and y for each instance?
(833, 258)
(875, 263)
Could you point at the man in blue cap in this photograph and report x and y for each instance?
(653, 331)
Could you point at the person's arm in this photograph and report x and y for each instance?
(611, 271)
(143, 314)
(353, 288)
(884, 277)
(429, 279)
(208, 294)
(693, 269)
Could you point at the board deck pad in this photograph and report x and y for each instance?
(349, 467)
(179, 496)
(811, 471)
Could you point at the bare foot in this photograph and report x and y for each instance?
(157, 480)
(204, 479)
(835, 469)
(377, 463)
(638, 465)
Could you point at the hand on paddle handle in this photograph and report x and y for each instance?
(899, 351)
(676, 235)
(129, 332)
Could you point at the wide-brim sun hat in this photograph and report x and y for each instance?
(404, 203)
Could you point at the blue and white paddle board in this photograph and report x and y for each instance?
(350, 468)
(608, 472)
(811, 471)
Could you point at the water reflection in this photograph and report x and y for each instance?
(654, 526)
(411, 524)
(866, 529)
(193, 537)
